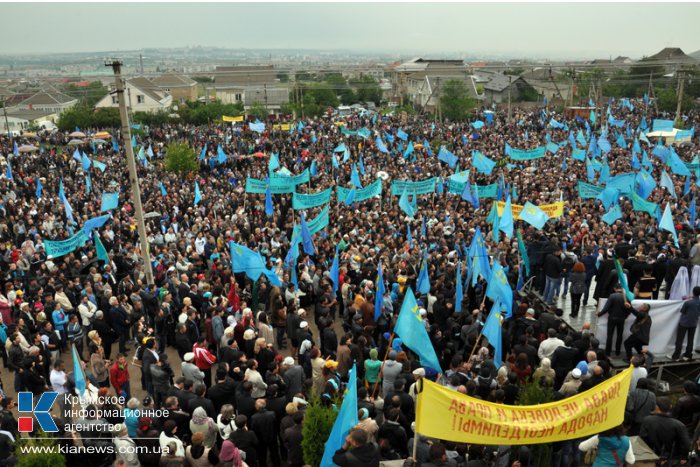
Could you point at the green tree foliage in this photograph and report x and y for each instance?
(87, 95)
(528, 94)
(153, 118)
(43, 457)
(667, 100)
(180, 158)
(367, 89)
(85, 118)
(535, 394)
(203, 79)
(318, 423)
(197, 113)
(455, 102)
(283, 77)
(258, 110)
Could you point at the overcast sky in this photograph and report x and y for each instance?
(586, 30)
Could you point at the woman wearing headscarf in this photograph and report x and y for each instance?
(147, 439)
(230, 456)
(199, 455)
(545, 374)
(201, 423)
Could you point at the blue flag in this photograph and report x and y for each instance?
(635, 162)
(15, 148)
(409, 237)
(334, 272)
(269, 206)
(162, 190)
(243, 259)
(8, 173)
(426, 146)
(459, 294)
(446, 156)
(38, 188)
(380, 145)
(492, 332)
(306, 237)
(423, 284)
(379, 296)
(482, 163)
(355, 177)
(335, 162)
(645, 184)
(667, 224)
(611, 216)
(498, 288)
(693, 213)
(313, 169)
(506, 223)
(133, 141)
(409, 150)
(667, 183)
(533, 216)
(350, 198)
(609, 196)
(274, 163)
(361, 166)
(410, 328)
(100, 250)
(402, 135)
(197, 194)
(347, 419)
(479, 257)
(66, 205)
(78, 375)
(203, 153)
(440, 186)
(406, 205)
(686, 187)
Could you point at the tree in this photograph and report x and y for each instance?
(535, 394)
(667, 100)
(203, 79)
(38, 452)
(79, 116)
(283, 77)
(88, 95)
(367, 89)
(455, 102)
(258, 110)
(180, 158)
(318, 423)
(528, 94)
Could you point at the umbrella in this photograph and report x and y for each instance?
(75, 142)
(77, 134)
(102, 135)
(99, 141)
(383, 175)
(417, 146)
(27, 148)
(29, 134)
(259, 154)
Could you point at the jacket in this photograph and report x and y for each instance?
(126, 451)
(578, 282)
(118, 376)
(666, 436)
(191, 372)
(615, 306)
(640, 404)
(87, 311)
(690, 312)
(292, 441)
(552, 266)
(294, 379)
(202, 357)
(641, 326)
(392, 369)
(362, 456)
(160, 378)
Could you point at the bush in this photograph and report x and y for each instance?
(180, 158)
(26, 458)
(318, 423)
(535, 394)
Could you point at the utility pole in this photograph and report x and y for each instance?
(133, 175)
(680, 96)
(652, 94)
(141, 62)
(437, 106)
(510, 87)
(7, 124)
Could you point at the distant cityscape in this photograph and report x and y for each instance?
(36, 89)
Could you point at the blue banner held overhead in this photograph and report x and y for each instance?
(311, 200)
(367, 192)
(109, 201)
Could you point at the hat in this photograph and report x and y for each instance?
(300, 311)
(189, 356)
(423, 312)
(419, 372)
(19, 292)
(364, 413)
(582, 367)
(288, 361)
(330, 364)
(373, 353)
(530, 311)
(576, 373)
(303, 325)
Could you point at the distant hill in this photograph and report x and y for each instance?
(696, 54)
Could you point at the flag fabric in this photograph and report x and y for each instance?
(459, 294)
(480, 257)
(522, 250)
(667, 183)
(379, 296)
(294, 279)
(38, 188)
(611, 216)
(492, 332)
(78, 375)
(471, 196)
(350, 197)
(86, 162)
(274, 163)
(109, 201)
(693, 213)
(133, 141)
(220, 155)
(410, 328)
(440, 186)
(355, 177)
(313, 169)
(346, 419)
(405, 205)
(203, 153)
(423, 284)
(409, 150)
(66, 205)
(482, 163)
(88, 183)
(635, 162)
(306, 237)
(361, 166)
(622, 278)
(149, 152)
(409, 237)
(77, 156)
(447, 157)
(334, 272)
(498, 288)
(608, 196)
(380, 145)
(402, 134)
(346, 155)
(686, 187)
(142, 154)
(99, 165)
(533, 216)
(243, 259)
(8, 173)
(269, 206)
(197, 194)
(604, 173)
(100, 250)
(666, 223)
(335, 162)
(506, 223)
(426, 146)
(15, 148)
(115, 145)
(162, 190)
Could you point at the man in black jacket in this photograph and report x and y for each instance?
(665, 435)
(363, 453)
(200, 401)
(15, 362)
(617, 308)
(223, 391)
(264, 425)
(552, 272)
(640, 329)
(245, 440)
(105, 332)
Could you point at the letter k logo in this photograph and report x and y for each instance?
(41, 412)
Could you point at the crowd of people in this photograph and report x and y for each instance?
(249, 357)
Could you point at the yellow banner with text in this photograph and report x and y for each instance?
(552, 210)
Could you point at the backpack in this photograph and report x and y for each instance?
(568, 262)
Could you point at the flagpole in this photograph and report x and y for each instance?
(381, 369)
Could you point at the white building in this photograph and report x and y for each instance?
(141, 96)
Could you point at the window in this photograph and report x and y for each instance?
(115, 100)
(140, 99)
(238, 97)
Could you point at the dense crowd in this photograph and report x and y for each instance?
(251, 356)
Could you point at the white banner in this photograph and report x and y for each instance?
(665, 315)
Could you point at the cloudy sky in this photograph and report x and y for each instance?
(517, 29)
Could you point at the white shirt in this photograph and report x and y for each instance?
(199, 245)
(58, 381)
(592, 443)
(548, 346)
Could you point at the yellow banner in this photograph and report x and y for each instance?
(233, 119)
(552, 210)
(281, 126)
(446, 414)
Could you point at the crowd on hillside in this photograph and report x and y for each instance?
(251, 356)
